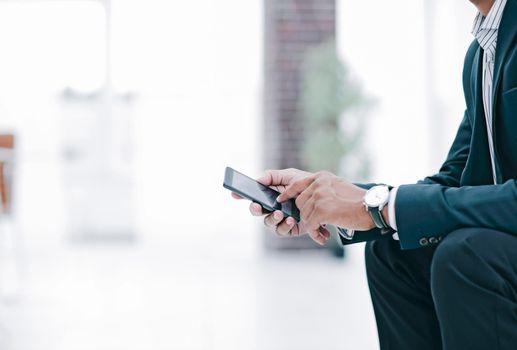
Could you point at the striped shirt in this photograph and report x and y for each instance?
(485, 30)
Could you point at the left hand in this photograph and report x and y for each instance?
(324, 198)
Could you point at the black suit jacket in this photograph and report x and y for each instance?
(462, 193)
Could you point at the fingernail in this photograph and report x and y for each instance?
(277, 215)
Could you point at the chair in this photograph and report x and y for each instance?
(6, 167)
(11, 248)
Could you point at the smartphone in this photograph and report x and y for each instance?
(251, 189)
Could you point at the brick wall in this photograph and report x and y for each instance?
(291, 26)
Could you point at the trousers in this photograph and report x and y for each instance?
(459, 294)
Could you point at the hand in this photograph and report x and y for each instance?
(324, 198)
(279, 180)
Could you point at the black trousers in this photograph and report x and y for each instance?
(458, 295)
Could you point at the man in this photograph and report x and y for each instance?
(459, 290)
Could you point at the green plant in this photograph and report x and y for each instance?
(335, 110)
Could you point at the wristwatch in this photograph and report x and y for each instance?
(375, 199)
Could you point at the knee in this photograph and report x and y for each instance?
(455, 259)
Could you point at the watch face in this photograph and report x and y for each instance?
(377, 196)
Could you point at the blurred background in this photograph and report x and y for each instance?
(117, 118)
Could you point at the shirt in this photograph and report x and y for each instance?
(485, 30)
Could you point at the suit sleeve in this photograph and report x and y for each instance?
(425, 211)
(437, 205)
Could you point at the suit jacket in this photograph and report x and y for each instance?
(462, 193)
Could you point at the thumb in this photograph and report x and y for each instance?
(276, 177)
(267, 178)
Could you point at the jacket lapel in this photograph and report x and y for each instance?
(477, 87)
(475, 76)
(505, 38)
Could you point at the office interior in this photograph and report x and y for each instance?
(117, 119)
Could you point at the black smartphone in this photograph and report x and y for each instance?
(251, 189)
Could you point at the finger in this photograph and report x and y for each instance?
(306, 208)
(257, 210)
(236, 196)
(325, 232)
(267, 178)
(279, 188)
(291, 221)
(295, 189)
(285, 227)
(314, 218)
(320, 235)
(297, 228)
(296, 231)
(276, 177)
(317, 229)
(302, 229)
(273, 219)
(305, 196)
(317, 237)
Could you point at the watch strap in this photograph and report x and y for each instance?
(378, 220)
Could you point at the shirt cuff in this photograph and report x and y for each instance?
(346, 233)
(391, 211)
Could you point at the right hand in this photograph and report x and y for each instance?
(279, 180)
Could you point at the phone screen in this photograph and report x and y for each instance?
(255, 191)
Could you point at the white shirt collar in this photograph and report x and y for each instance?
(490, 23)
